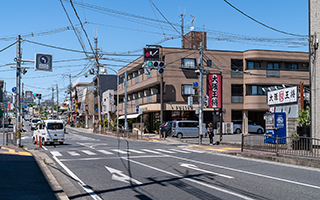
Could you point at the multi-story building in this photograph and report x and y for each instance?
(245, 75)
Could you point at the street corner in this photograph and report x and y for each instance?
(217, 148)
(10, 150)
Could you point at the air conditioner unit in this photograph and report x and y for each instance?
(227, 128)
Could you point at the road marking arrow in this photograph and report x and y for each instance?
(119, 176)
(191, 166)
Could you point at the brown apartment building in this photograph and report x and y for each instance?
(244, 75)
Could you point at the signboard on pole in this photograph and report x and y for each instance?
(43, 62)
(28, 94)
(285, 95)
(214, 90)
(151, 54)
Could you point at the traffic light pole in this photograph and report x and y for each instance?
(18, 80)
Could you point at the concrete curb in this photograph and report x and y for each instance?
(55, 186)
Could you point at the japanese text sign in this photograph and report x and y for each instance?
(214, 90)
(285, 95)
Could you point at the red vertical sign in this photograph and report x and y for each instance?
(214, 90)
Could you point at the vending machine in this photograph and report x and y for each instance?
(276, 125)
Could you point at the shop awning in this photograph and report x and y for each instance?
(130, 116)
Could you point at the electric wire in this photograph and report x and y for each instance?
(269, 27)
(8, 46)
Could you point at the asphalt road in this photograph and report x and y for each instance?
(90, 166)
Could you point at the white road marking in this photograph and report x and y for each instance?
(120, 176)
(110, 158)
(88, 152)
(120, 151)
(194, 151)
(135, 151)
(191, 166)
(247, 172)
(191, 180)
(81, 183)
(105, 152)
(55, 153)
(73, 153)
(165, 151)
(150, 151)
(44, 148)
(180, 151)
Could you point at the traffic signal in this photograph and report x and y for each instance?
(160, 70)
(39, 96)
(155, 64)
(137, 109)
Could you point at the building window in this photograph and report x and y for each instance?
(189, 63)
(273, 73)
(237, 93)
(254, 65)
(273, 65)
(236, 68)
(137, 79)
(257, 89)
(187, 90)
(291, 66)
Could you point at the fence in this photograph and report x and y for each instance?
(10, 138)
(121, 133)
(298, 146)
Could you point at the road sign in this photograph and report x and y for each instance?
(190, 101)
(28, 93)
(195, 85)
(25, 106)
(96, 109)
(14, 89)
(43, 62)
(151, 54)
(140, 110)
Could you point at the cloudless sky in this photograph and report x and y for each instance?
(128, 25)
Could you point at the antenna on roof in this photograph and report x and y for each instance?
(192, 21)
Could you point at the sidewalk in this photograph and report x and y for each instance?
(22, 178)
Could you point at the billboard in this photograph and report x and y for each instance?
(214, 90)
(285, 95)
(29, 94)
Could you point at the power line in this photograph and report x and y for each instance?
(269, 27)
(8, 46)
(74, 30)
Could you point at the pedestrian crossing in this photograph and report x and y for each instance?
(101, 152)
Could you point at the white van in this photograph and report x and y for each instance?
(51, 132)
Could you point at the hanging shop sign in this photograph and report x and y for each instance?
(214, 90)
(285, 95)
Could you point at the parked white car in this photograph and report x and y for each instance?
(252, 127)
(51, 132)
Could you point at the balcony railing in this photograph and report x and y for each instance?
(236, 99)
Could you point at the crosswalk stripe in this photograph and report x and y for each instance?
(194, 151)
(165, 151)
(180, 151)
(73, 153)
(88, 152)
(105, 152)
(150, 151)
(55, 153)
(120, 151)
(135, 151)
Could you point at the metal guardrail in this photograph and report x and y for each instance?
(298, 146)
(121, 133)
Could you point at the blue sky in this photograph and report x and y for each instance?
(127, 26)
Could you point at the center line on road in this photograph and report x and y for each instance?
(191, 180)
(246, 172)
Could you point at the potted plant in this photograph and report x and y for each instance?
(303, 128)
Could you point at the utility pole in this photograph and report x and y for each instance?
(18, 79)
(98, 81)
(221, 99)
(52, 100)
(125, 100)
(57, 101)
(200, 93)
(70, 111)
(182, 31)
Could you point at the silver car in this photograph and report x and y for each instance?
(185, 129)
